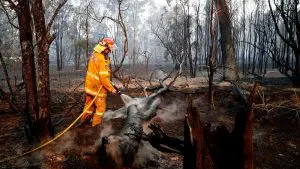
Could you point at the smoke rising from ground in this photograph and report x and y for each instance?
(172, 112)
(78, 141)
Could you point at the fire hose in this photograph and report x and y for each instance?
(56, 137)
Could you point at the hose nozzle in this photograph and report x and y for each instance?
(117, 89)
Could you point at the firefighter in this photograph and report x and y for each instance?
(98, 77)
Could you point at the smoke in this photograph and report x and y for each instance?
(65, 143)
(172, 112)
(106, 130)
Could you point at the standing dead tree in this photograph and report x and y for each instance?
(44, 39)
(197, 155)
(6, 75)
(228, 51)
(120, 21)
(11, 98)
(22, 10)
(211, 59)
(287, 14)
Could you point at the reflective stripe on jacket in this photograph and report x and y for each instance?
(98, 73)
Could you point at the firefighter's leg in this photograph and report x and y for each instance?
(100, 103)
(89, 112)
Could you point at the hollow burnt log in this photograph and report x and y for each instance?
(197, 155)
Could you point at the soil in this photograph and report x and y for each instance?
(276, 135)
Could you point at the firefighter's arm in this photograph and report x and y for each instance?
(91, 79)
(104, 76)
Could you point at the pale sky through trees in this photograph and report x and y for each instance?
(150, 12)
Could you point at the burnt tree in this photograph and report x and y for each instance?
(41, 126)
(228, 51)
(234, 149)
(287, 15)
(197, 155)
(22, 10)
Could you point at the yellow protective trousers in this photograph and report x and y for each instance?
(97, 78)
(96, 110)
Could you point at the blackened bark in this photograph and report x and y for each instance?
(189, 154)
(6, 75)
(189, 50)
(228, 51)
(161, 141)
(28, 66)
(212, 31)
(25, 34)
(296, 78)
(57, 53)
(248, 132)
(43, 124)
(199, 155)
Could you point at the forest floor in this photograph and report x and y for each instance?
(276, 121)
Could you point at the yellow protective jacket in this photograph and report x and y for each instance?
(98, 73)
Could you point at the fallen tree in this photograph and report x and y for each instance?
(119, 150)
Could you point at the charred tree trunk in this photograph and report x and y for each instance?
(296, 79)
(244, 39)
(57, 50)
(87, 34)
(228, 51)
(189, 49)
(28, 64)
(212, 31)
(234, 150)
(40, 127)
(43, 121)
(76, 56)
(6, 76)
(249, 46)
(61, 50)
(199, 156)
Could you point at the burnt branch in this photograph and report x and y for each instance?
(161, 141)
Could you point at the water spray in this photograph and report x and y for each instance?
(125, 98)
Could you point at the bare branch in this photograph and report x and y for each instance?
(54, 15)
(7, 15)
(277, 28)
(12, 4)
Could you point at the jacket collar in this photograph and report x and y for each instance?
(99, 48)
